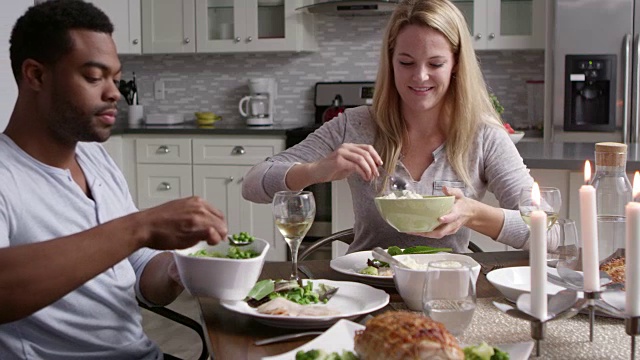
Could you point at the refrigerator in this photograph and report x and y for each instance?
(603, 29)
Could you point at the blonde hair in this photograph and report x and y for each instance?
(467, 103)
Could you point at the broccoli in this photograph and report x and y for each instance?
(479, 352)
(369, 270)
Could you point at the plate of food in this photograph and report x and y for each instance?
(317, 304)
(364, 268)
(340, 341)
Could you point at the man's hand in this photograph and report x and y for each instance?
(182, 223)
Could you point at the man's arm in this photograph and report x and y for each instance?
(156, 283)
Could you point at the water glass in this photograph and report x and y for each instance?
(294, 212)
(449, 294)
(563, 244)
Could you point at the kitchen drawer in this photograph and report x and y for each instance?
(158, 184)
(235, 151)
(163, 151)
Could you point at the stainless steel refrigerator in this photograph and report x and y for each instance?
(589, 34)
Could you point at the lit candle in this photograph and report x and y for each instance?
(632, 252)
(538, 257)
(589, 229)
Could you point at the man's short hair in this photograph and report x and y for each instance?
(42, 33)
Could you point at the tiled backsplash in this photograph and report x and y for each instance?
(348, 51)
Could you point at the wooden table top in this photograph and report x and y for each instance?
(232, 335)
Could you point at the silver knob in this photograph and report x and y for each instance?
(249, 39)
(230, 179)
(135, 41)
(237, 150)
(492, 36)
(187, 40)
(478, 36)
(164, 186)
(163, 149)
(237, 39)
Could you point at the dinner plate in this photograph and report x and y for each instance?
(351, 300)
(340, 337)
(350, 264)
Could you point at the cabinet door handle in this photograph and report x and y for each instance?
(135, 41)
(492, 36)
(187, 40)
(249, 39)
(163, 149)
(237, 39)
(230, 179)
(237, 150)
(478, 36)
(164, 186)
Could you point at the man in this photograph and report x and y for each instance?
(74, 250)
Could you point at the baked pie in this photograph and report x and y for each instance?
(406, 335)
(615, 269)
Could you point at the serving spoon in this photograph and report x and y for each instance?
(380, 254)
(239, 242)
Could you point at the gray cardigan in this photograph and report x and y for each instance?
(494, 165)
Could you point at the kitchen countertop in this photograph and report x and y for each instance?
(536, 154)
(191, 128)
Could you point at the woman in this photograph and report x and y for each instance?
(431, 122)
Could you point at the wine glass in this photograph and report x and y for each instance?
(294, 212)
(550, 203)
(449, 294)
(563, 245)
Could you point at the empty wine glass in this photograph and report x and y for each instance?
(294, 212)
(562, 245)
(449, 294)
(550, 203)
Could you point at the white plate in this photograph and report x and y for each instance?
(340, 337)
(351, 300)
(350, 264)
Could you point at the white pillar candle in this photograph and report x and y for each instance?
(632, 253)
(538, 257)
(589, 229)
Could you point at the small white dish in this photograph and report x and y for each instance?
(351, 300)
(514, 281)
(339, 338)
(517, 136)
(350, 264)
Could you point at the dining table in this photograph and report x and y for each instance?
(232, 336)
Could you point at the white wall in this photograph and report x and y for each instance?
(10, 11)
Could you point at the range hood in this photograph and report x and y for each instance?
(350, 7)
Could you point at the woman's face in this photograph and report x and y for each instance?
(422, 67)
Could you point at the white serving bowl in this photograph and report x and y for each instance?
(410, 283)
(515, 281)
(222, 278)
(516, 136)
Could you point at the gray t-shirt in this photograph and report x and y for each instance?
(100, 319)
(494, 165)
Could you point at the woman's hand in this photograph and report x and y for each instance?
(347, 159)
(461, 213)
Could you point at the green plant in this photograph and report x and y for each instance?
(496, 104)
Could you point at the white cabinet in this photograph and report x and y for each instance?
(212, 167)
(505, 24)
(125, 16)
(252, 26)
(168, 26)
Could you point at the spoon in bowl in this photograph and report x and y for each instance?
(380, 254)
(240, 240)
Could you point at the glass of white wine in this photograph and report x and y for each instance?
(294, 212)
(550, 203)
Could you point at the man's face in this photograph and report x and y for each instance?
(82, 93)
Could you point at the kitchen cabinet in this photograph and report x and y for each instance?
(168, 26)
(212, 167)
(252, 26)
(125, 16)
(505, 24)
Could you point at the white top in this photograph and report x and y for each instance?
(100, 319)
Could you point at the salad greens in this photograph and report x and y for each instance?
(316, 354)
(373, 265)
(234, 252)
(266, 290)
(484, 351)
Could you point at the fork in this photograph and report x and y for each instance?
(306, 271)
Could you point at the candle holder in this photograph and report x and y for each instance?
(632, 327)
(560, 306)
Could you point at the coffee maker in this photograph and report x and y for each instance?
(590, 93)
(257, 107)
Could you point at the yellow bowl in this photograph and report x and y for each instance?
(414, 215)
